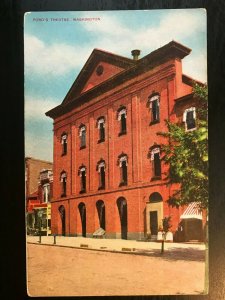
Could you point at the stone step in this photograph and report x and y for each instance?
(153, 238)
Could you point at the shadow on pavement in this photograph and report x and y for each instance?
(190, 254)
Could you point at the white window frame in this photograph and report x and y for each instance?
(123, 111)
(101, 165)
(101, 120)
(123, 158)
(185, 118)
(151, 99)
(46, 191)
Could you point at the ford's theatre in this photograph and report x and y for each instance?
(107, 163)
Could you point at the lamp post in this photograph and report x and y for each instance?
(47, 219)
(163, 240)
(40, 214)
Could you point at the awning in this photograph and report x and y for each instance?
(192, 212)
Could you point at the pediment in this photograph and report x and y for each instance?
(100, 67)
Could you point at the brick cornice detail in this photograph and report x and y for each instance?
(112, 191)
(110, 97)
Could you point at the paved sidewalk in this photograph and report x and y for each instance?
(119, 245)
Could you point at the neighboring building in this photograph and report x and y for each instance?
(39, 186)
(107, 167)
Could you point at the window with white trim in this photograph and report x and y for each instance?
(153, 103)
(101, 172)
(64, 143)
(82, 174)
(122, 116)
(46, 192)
(101, 128)
(82, 134)
(156, 162)
(63, 178)
(123, 169)
(189, 118)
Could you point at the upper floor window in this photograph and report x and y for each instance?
(122, 116)
(101, 171)
(153, 103)
(82, 174)
(64, 143)
(82, 134)
(63, 178)
(189, 118)
(156, 162)
(101, 128)
(46, 192)
(122, 159)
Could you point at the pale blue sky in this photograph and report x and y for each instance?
(55, 52)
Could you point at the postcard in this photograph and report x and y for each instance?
(116, 146)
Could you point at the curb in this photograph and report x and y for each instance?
(130, 251)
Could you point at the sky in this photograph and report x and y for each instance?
(57, 45)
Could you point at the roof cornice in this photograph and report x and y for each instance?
(170, 50)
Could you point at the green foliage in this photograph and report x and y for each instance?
(186, 153)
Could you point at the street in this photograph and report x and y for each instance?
(62, 271)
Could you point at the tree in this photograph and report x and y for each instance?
(186, 153)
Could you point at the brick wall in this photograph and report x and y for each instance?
(133, 94)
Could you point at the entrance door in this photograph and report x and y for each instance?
(101, 213)
(63, 219)
(154, 222)
(122, 206)
(124, 223)
(82, 210)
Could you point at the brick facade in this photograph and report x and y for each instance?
(106, 84)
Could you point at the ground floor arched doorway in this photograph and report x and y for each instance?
(62, 213)
(122, 208)
(82, 210)
(154, 214)
(101, 213)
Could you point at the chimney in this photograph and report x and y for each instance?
(135, 54)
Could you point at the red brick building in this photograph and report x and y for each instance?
(107, 167)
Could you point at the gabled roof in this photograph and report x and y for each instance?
(131, 69)
(96, 57)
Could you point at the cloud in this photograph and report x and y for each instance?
(112, 34)
(196, 67)
(35, 108)
(41, 147)
(175, 25)
(56, 59)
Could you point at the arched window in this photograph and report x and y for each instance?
(121, 116)
(153, 103)
(155, 197)
(101, 128)
(122, 161)
(64, 143)
(101, 171)
(82, 134)
(156, 162)
(189, 118)
(82, 174)
(63, 178)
